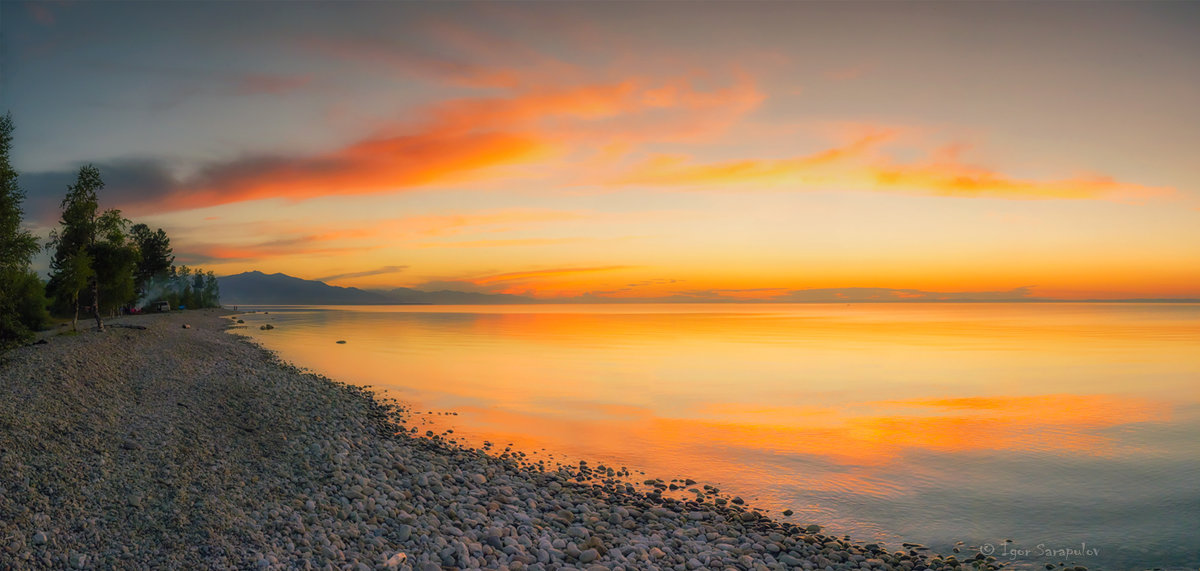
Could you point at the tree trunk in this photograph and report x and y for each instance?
(96, 305)
(75, 320)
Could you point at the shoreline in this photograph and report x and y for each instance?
(173, 446)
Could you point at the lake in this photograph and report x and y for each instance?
(1072, 430)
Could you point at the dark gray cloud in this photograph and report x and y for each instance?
(134, 186)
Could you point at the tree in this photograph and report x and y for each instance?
(70, 272)
(17, 246)
(90, 249)
(183, 286)
(198, 300)
(22, 303)
(114, 258)
(212, 290)
(155, 256)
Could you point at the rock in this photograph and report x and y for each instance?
(396, 560)
(479, 479)
(403, 532)
(787, 559)
(588, 556)
(131, 445)
(341, 342)
(187, 326)
(40, 538)
(266, 326)
(788, 512)
(814, 528)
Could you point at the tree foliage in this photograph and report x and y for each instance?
(17, 246)
(114, 258)
(92, 252)
(154, 255)
(184, 287)
(22, 301)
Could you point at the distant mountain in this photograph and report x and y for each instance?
(257, 288)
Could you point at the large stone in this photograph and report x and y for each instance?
(396, 560)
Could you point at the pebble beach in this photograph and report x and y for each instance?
(167, 442)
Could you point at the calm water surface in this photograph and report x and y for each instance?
(1071, 429)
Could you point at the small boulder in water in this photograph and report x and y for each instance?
(341, 342)
(266, 327)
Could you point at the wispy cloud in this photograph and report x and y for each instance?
(270, 84)
(506, 243)
(409, 61)
(865, 164)
(312, 245)
(375, 272)
(40, 12)
(541, 274)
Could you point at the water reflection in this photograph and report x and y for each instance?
(931, 423)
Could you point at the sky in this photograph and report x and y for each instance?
(709, 151)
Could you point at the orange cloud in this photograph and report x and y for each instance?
(863, 165)
(955, 179)
(668, 170)
(540, 274)
(500, 243)
(470, 139)
(372, 166)
(300, 240)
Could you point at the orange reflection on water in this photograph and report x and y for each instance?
(1060, 423)
(837, 399)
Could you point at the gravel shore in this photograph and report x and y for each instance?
(187, 447)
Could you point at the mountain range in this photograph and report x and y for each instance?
(257, 288)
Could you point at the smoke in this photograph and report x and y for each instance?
(155, 292)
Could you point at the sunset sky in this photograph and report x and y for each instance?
(635, 150)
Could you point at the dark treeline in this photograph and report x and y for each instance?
(101, 262)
